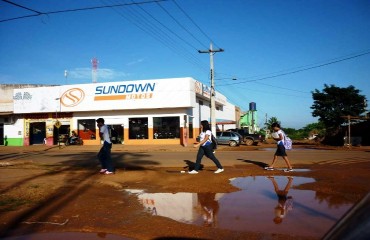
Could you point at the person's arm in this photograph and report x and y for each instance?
(202, 142)
(100, 132)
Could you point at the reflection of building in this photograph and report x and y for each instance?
(177, 206)
(160, 111)
(182, 207)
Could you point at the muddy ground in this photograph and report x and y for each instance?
(55, 190)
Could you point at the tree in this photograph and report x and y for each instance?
(333, 103)
(270, 122)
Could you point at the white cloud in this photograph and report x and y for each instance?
(135, 62)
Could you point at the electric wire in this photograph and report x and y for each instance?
(195, 24)
(157, 33)
(73, 10)
(297, 71)
(182, 26)
(20, 6)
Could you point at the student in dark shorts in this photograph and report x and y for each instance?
(279, 137)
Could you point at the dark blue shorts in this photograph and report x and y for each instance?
(280, 151)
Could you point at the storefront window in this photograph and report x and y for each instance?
(138, 128)
(86, 129)
(166, 127)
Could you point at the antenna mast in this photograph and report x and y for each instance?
(94, 63)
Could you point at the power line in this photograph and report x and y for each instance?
(297, 71)
(20, 6)
(184, 28)
(74, 10)
(187, 15)
(141, 21)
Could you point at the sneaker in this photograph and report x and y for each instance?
(107, 173)
(288, 170)
(103, 171)
(193, 172)
(269, 168)
(220, 170)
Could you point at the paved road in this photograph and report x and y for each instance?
(174, 156)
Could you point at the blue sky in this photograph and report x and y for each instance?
(268, 45)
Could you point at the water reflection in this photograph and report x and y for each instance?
(263, 204)
(285, 202)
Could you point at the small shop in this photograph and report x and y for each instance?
(159, 111)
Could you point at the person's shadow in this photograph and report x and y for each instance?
(191, 165)
(260, 164)
(285, 202)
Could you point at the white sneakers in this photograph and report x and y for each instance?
(220, 170)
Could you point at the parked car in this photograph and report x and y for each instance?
(231, 138)
(248, 138)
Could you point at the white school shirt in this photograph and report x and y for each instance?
(283, 133)
(105, 131)
(203, 135)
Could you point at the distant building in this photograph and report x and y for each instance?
(157, 111)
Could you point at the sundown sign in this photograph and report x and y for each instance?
(124, 91)
(173, 93)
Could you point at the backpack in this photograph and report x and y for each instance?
(214, 142)
(288, 143)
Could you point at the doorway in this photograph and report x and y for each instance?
(37, 132)
(1, 133)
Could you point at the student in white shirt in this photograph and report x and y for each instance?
(205, 148)
(104, 154)
(279, 137)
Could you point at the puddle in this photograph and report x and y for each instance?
(256, 207)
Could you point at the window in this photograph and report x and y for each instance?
(86, 129)
(226, 134)
(138, 128)
(166, 127)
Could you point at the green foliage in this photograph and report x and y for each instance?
(271, 121)
(333, 103)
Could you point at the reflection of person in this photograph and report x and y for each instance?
(284, 201)
(279, 136)
(205, 148)
(104, 154)
(209, 208)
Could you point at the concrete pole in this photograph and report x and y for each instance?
(213, 93)
(211, 52)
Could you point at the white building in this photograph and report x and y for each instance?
(159, 111)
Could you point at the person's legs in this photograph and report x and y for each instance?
(209, 153)
(200, 155)
(273, 161)
(101, 158)
(108, 159)
(287, 162)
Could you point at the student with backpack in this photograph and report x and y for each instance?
(206, 147)
(283, 143)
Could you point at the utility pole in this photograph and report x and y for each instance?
(212, 52)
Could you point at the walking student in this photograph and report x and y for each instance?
(205, 148)
(279, 136)
(104, 154)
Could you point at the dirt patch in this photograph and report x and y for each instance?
(65, 197)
